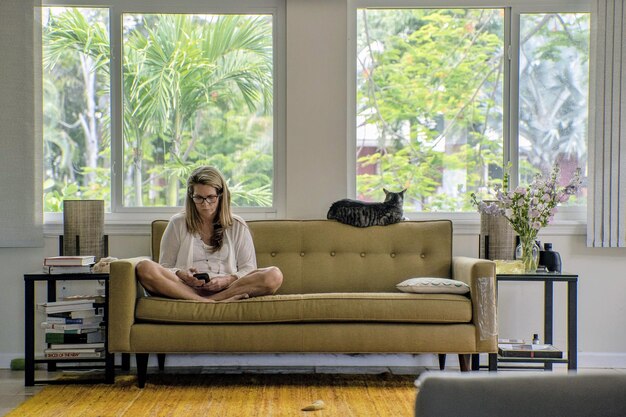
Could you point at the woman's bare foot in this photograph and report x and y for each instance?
(233, 298)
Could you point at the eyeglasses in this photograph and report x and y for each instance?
(198, 199)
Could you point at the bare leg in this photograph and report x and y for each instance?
(264, 281)
(162, 281)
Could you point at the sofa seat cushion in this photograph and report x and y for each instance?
(323, 307)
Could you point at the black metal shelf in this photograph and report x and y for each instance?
(108, 362)
(548, 279)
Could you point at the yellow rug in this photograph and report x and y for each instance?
(244, 395)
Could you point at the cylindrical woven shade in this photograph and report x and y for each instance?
(85, 219)
(497, 238)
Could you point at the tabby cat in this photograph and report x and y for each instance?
(362, 214)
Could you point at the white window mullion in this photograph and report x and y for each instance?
(117, 108)
(512, 142)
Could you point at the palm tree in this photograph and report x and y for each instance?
(176, 69)
(176, 66)
(87, 40)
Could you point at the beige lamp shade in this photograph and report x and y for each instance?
(83, 228)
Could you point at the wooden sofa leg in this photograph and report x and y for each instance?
(161, 359)
(142, 368)
(442, 361)
(465, 362)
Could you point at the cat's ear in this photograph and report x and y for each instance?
(403, 191)
(385, 191)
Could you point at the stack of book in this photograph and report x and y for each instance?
(68, 264)
(517, 348)
(73, 329)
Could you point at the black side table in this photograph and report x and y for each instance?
(548, 278)
(29, 327)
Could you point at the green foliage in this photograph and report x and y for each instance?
(430, 82)
(422, 99)
(197, 89)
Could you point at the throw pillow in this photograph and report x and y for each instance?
(433, 285)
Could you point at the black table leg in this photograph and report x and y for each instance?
(572, 331)
(493, 362)
(548, 317)
(52, 296)
(29, 333)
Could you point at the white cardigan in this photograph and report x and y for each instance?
(177, 246)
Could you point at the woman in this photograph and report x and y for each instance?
(207, 238)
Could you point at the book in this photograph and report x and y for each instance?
(67, 327)
(76, 349)
(69, 307)
(87, 313)
(75, 346)
(508, 350)
(69, 354)
(71, 331)
(60, 269)
(69, 260)
(63, 318)
(79, 314)
(61, 338)
(511, 341)
(97, 298)
(66, 302)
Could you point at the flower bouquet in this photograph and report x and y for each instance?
(529, 208)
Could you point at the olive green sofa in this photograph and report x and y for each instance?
(338, 296)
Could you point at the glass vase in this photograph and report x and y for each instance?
(528, 252)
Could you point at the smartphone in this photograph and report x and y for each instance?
(203, 275)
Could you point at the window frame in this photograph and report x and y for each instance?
(123, 216)
(568, 219)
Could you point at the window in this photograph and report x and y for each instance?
(440, 112)
(76, 105)
(192, 88)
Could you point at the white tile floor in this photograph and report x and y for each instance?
(13, 392)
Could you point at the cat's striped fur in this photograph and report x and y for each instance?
(362, 214)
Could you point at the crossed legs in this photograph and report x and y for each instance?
(161, 281)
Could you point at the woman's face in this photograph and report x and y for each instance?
(206, 200)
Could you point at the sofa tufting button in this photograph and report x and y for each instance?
(422, 255)
(273, 254)
(362, 254)
(301, 253)
(393, 254)
(332, 253)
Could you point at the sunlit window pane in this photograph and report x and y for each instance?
(429, 104)
(197, 91)
(554, 83)
(76, 105)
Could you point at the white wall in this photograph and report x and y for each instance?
(317, 175)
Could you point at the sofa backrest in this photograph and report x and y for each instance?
(476, 394)
(318, 256)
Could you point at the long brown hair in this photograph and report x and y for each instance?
(206, 175)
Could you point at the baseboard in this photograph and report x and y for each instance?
(585, 360)
(602, 360)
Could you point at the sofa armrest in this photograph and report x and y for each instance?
(480, 275)
(122, 298)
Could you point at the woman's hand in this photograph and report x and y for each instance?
(219, 283)
(186, 275)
